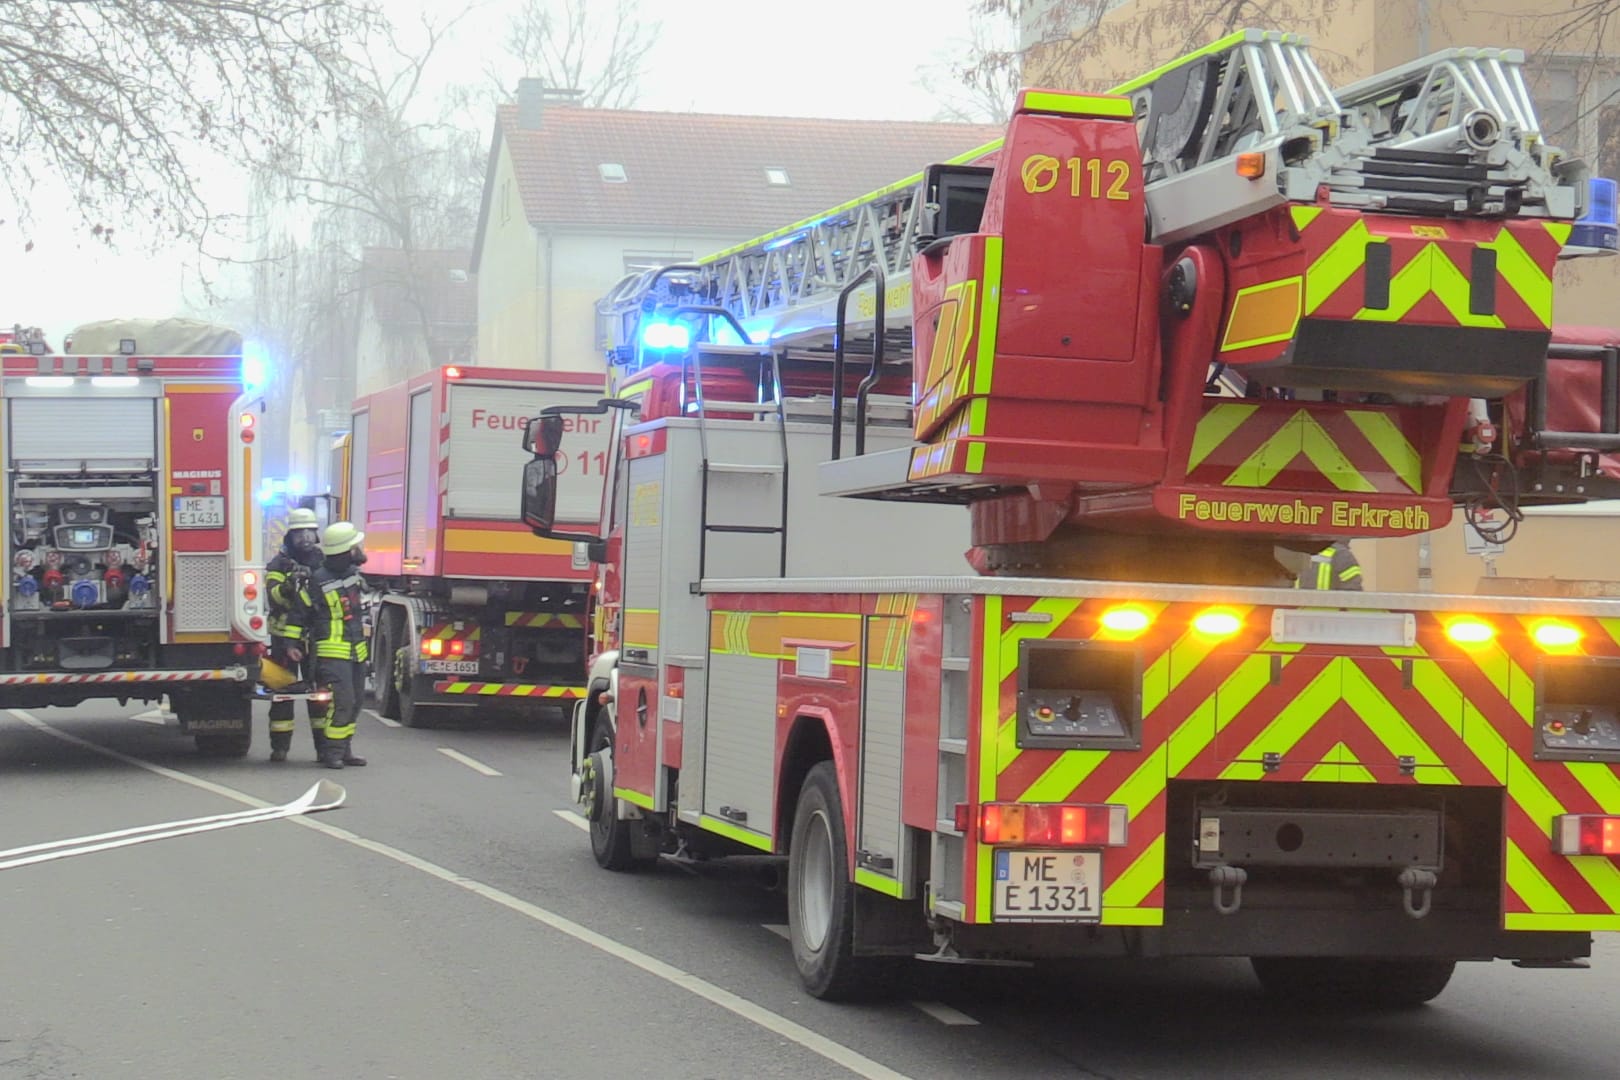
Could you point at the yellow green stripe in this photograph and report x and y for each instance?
(635, 798)
(1527, 921)
(989, 316)
(1213, 428)
(1078, 104)
(1138, 879)
(732, 832)
(1531, 885)
(878, 883)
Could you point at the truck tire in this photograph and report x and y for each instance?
(412, 714)
(231, 744)
(821, 899)
(213, 705)
(612, 845)
(1355, 982)
(385, 668)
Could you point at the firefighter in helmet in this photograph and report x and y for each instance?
(333, 608)
(286, 575)
(1334, 567)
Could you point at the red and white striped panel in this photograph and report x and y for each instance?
(56, 678)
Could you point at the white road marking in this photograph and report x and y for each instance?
(471, 763)
(778, 929)
(945, 1014)
(380, 718)
(835, 1052)
(573, 819)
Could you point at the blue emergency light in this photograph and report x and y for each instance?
(1598, 231)
(255, 369)
(662, 335)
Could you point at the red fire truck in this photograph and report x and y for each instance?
(472, 610)
(989, 633)
(131, 525)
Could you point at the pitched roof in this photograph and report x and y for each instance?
(705, 172)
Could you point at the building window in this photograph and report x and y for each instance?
(776, 177)
(612, 173)
(636, 262)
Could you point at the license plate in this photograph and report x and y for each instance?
(450, 667)
(206, 512)
(1047, 885)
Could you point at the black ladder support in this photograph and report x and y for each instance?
(875, 274)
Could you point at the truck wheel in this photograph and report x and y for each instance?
(1353, 981)
(214, 706)
(413, 715)
(611, 842)
(224, 743)
(821, 898)
(385, 671)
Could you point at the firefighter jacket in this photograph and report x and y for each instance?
(332, 607)
(282, 579)
(1334, 567)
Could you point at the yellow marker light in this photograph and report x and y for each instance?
(1217, 623)
(1555, 635)
(1126, 620)
(1251, 165)
(1470, 631)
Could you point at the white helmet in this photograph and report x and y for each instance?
(340, 537)
(302, 518)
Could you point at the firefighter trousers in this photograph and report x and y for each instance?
(347, 681)
(281, 708)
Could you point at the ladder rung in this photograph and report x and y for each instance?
(745, 528)
(953, 746)
(737, 406)
(736, 467)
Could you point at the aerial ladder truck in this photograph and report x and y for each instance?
(943, 553)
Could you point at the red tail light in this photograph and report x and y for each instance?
(1586, 834)
(433, 647)
(1052, 824)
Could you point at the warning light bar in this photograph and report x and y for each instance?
(1586, 834)
(1052, 824)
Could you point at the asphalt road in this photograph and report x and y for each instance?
(448, 921)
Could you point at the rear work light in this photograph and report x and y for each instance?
(1126, 620)
(1470, 631)
(1586, 834)
(433, 647)
(1052, 824)
(1555, 635)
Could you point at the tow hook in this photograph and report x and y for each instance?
(1222, 878)
(1417, 890)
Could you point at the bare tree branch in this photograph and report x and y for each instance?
(114, 97)
(596, 49)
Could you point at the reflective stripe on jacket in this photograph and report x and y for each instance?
(335, 615)
(1334, 567)
(285, 621)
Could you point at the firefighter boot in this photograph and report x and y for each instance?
(280, 743)
(348, 754)
(332, 754)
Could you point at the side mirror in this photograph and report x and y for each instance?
(543, 435)
(596, 551)
(540, 492)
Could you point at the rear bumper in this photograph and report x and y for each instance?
(466, 690)
(236, 673)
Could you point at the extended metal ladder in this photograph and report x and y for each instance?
(768, 376)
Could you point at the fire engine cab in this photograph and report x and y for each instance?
(946, 549)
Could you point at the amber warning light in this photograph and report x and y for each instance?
(1587, 834)
(1051, 824)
